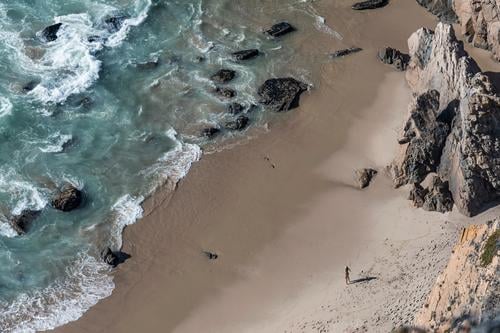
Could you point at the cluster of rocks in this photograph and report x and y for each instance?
(479, 20)
(68, 199)
(453, 125)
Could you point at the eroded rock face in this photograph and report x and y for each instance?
(480, 23)
(467, 118)
(281, 94)
(466, 292)
(68, 199)
(443, 9)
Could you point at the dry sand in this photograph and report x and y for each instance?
(284, 234)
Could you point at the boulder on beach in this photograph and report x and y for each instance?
(223, 76)
(49, 34)
(238, 124)
(280, 29)
(68, 199)
(394, 57)
(245, 54)
(364, 177)
(114, 258)
(344, 52)
(225, 93)
(370, 4)
(21, 223)
(281, 94)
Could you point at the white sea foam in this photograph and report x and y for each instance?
(56, 143)
(23, 193)
(126, 211)
(85, 283)
(117, 38)
(5, 107)
(5, 228)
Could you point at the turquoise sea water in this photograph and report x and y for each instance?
(101, 120)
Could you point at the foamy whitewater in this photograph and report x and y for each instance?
(116, 108)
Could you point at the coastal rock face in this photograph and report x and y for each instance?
(281, 94)
(20, 223)
(364, 177)
(443, 9)
(466, 292)
(49, 34)
(480, 23)
(394, 57)
(459, 137)
(68, 199)
(370, 4)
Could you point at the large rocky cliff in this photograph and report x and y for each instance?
(453, 125)
(467, 292)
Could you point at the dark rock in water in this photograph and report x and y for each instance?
(29, 86)
(417, 195)
(370, 4)
(114, 23)
(280, 29)
(239, 124)
(235, 108)
(199, 59)
(210, 132)
(364, 177)
(225, 92)
(94, 38)
(68, 199)
(394, 57)
(281, 94)
(443, 9)
(49, 34)
(438, 197)
(245, 54)
(21, 223)
(211, 255)
(147, 65)
(223, 76)
(344, 52)
(114, 258)
(424, 137)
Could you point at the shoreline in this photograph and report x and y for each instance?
(255, 217)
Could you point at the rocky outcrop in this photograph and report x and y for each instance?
(223, 76)
(114, 258)
(280, 29)
(21, 223)
(68, 199)
(364, 177)
(443, 9)
(49, 34)
(480, 23)
(344, 52)
(281, 94)
(453, 126)
(394, 57)
(245, 54)
(466, 292)
(370, 4)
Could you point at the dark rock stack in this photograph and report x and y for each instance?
(281, 94)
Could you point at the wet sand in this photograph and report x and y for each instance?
(284, 233)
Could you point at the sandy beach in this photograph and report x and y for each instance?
(284, 215)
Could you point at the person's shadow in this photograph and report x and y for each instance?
(365, 279)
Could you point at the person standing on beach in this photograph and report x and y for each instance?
(347, 277)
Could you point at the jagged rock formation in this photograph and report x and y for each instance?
(479, 20)
(466, 292)
(453, 126)
(281, 94)
(364, 177)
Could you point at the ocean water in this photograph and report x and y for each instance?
(101, 119)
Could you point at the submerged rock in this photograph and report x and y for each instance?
(235, 108)
(364, 177)
(394, 57)
(245, 54)
(443, 9)
(280, 29)
(223, 76)
(226, 93)
(370, 4)
(281, 94)
(344, 52)
(114, 23)
(49, 34)
(68, 199)
(148, 65)
(114, 258)
(29, 86)
(21, 223)
(210, 132)
(238, 124)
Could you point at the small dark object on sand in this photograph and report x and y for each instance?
(211, 255)
(280, 29)
(370, 4)
(344, 52)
